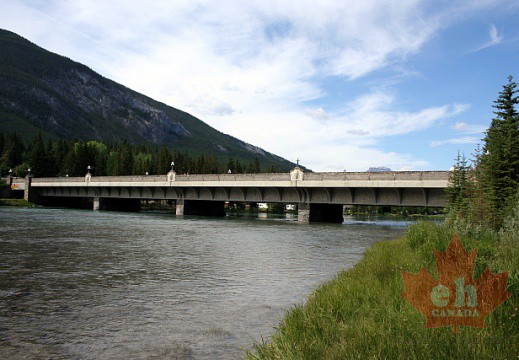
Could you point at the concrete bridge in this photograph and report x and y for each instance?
(319, 196)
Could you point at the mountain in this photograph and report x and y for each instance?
(44, 92)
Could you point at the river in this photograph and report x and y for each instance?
(79, 284)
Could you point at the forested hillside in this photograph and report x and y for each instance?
(43, 92)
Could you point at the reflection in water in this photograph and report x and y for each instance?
(105, 285)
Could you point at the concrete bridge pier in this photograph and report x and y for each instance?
(201, 207)
(29, 194)
(303, 213)
(179, 207)
(331, 213)
(131, 205)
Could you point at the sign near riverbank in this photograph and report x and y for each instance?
(455, 299)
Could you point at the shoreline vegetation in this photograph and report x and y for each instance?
(15, 202)
(360, 313)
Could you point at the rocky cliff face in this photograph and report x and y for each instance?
(42, 91)
(117, 105)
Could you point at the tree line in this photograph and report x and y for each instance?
(485, 189)
(72, 157)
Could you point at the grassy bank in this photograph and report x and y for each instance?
(361, 315)
(14, 202)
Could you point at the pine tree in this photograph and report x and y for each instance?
(257, 166)
(500, 159)
(480, 211)
(163, 161)
(40, 159)
(125, 160)
(459, 189)
(13, 152)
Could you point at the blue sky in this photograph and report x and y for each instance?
(342, 85)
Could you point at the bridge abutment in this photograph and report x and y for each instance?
(331, 213)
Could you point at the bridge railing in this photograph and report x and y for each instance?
(390, 175)
(132, 178)
(235, 177)
(331, 176)
(58, 179)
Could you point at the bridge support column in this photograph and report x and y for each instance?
(116, 204)
(96, 204)
(204, 207)
(29, 194)
(303, 213)
(179, 207)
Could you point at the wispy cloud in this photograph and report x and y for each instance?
(465, 128)
(460, 140)
(259, 70)
(494, 39)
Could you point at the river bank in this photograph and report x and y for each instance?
(111, 285)
(15, 202)
(361, 313)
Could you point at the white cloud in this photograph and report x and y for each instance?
(460, 140)
(495, 39)
(251, 69)
(465, 128)
(318, 114)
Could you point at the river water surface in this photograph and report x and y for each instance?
(104, 285)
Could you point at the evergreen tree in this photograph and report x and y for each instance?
(2, 141)
(231, 166)
(480, 211)
(257, 167)
(239, 167)
(13, 152)
(142, 164)
(164, 161)
(40, 160)
(500, 159)
(124, 160)
(212, 166)
(459, 190)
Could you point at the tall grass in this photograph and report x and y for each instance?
(361, 315)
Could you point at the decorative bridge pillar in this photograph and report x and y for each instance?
(171, 175)
(296, 174)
